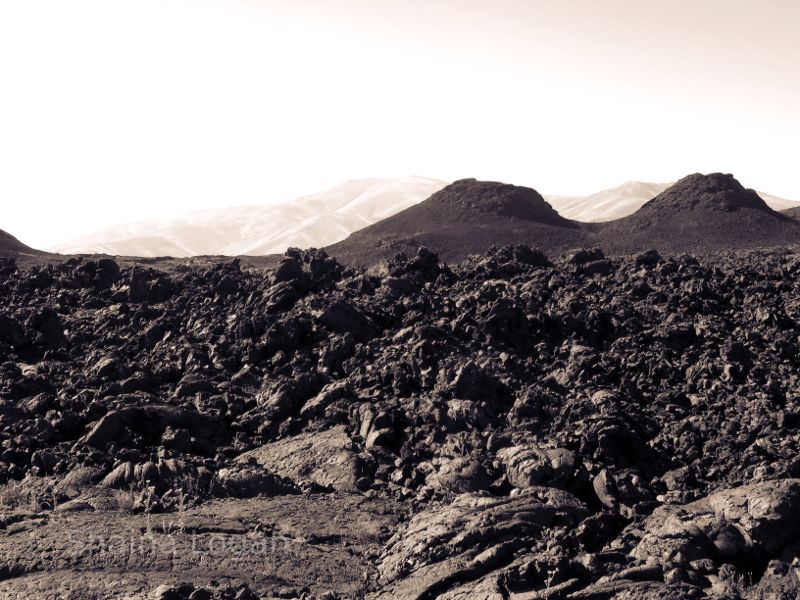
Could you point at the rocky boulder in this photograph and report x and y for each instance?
(445, 546)
(749, 524)
(528, 466)
(327, 459)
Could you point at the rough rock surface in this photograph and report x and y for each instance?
(749, 523)
(327, 459)
(512, 426)
(474, 535)
(320, 544)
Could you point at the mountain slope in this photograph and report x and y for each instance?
(466, 217)
(11, 247)
(779, 204)
(794, 212)
(699, 212)
(626, 199)
(607, 205)
(312, 221)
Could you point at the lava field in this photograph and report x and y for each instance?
(512, 426)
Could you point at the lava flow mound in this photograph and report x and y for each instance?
(513, 426)
(465, 217)
(697, 214)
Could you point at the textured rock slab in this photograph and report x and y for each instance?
(151, 420)
(635, 590)
(320, 540)
(760, 518)
(443, 547)
(528, 466)
(327, 459)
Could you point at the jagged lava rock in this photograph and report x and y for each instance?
(327, 459)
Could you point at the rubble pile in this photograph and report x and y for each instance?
(576, 426)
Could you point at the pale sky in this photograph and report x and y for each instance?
(114, 111)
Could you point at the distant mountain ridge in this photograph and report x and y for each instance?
(494, 209)
(698, 213)
(793, 212)
(607, 205)
(312, 221)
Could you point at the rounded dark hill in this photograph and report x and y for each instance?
(11, 247)
(699, 213)
(469, 199)
(716, 191)
(466, 217)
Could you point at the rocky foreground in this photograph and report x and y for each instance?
(512, 427)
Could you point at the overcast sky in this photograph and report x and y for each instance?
(115, 111)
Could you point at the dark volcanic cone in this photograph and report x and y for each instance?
(716, 191)
(466, 217)
(699, 213)
(469, 199)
